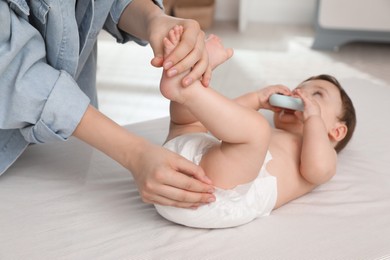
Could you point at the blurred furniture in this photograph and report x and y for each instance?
(275, 12)
(242, 16)
(342, 21)
(200, 10)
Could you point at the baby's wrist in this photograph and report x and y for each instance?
(261, 99)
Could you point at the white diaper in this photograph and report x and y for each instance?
(232, 207)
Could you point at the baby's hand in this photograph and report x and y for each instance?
(311, 107)
(265, 93)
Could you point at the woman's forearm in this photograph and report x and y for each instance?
(136, 18)
(105, 135)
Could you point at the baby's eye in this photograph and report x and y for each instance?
(317, 93)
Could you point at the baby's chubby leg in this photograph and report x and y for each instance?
(244, 133)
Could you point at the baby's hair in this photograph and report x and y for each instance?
(348, 114)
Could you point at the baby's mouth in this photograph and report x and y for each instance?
(289, 111)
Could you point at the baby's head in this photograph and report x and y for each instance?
(347, 114)
(337, 110)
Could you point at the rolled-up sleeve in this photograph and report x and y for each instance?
(45, 104)
(111, 24)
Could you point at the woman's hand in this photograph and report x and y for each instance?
(190, 54)
(145, 20)
(166, 178)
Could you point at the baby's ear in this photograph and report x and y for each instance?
(338, 132)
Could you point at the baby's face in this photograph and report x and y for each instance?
(325, 94)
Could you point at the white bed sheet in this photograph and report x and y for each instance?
(68, 201)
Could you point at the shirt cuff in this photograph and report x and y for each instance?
(61, 114)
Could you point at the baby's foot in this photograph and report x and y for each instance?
(218, 54)
(170, 87)
(172, 40)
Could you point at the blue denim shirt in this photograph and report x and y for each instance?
(48, 52)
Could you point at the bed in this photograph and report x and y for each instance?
(69, 201)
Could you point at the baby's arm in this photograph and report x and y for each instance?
(318, 156)
(260, 98)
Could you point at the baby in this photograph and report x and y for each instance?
(254, 167)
